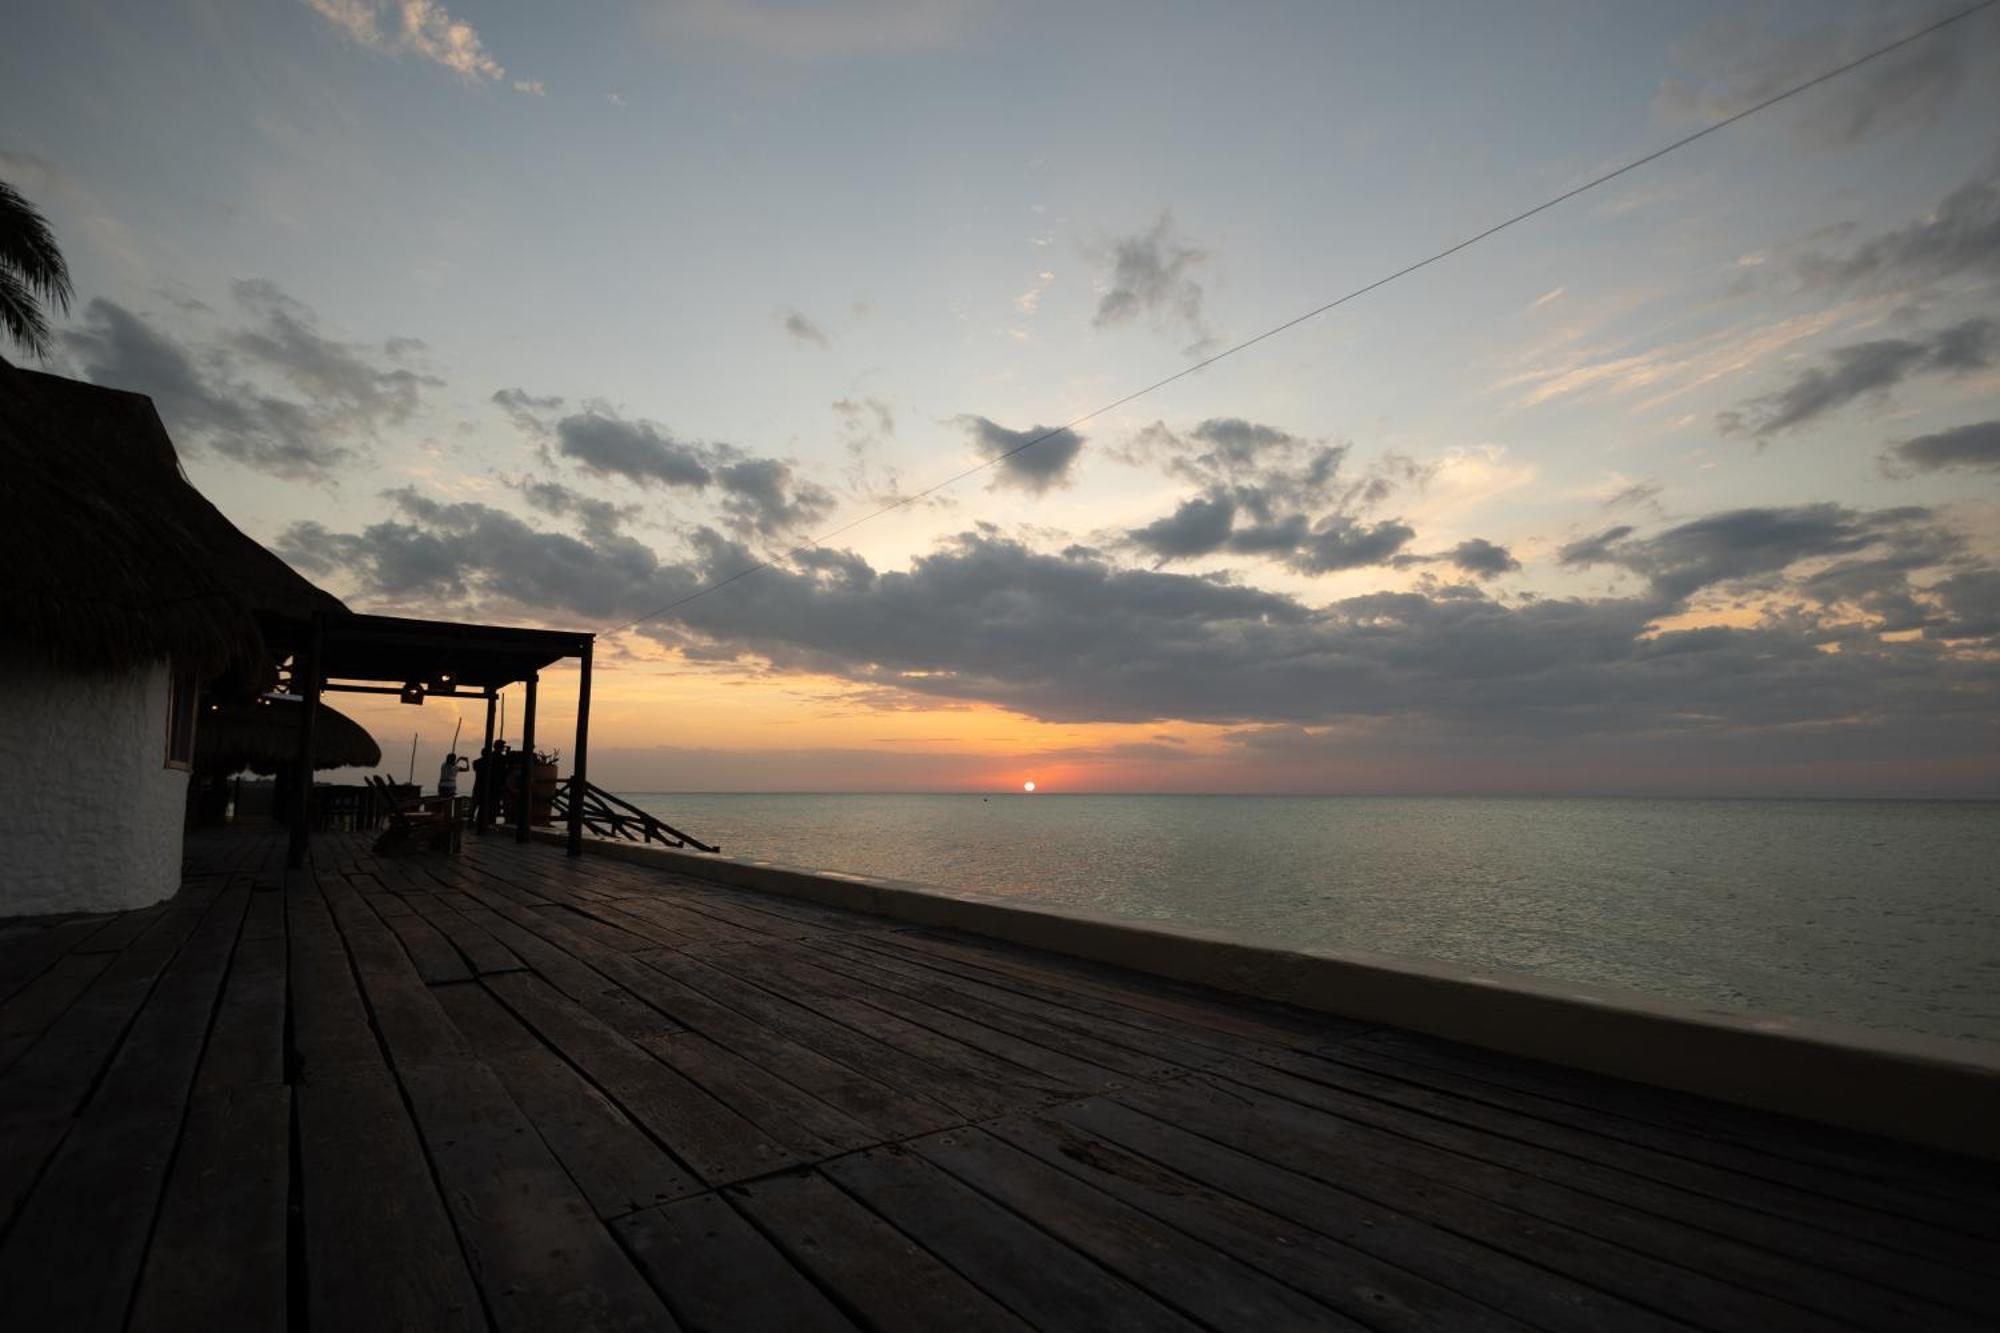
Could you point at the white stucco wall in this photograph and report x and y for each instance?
(90, 815)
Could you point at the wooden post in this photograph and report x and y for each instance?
(579, 781)
(482, 790)
(306, 676)
(527, 762)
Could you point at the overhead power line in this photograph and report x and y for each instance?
(1316, 311)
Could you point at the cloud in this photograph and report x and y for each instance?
(421, 28)
(1199, 527)
(1960, 235)
(1971, 607)
(1738, 59)
(1974, 448)
(1638, 494)
(218, 394)
(1741, 545)
(1482, 559)
(1266, 493)
(754, 496)
(1339, 543)
(1863, 369)
(761, 496)
(340, 378)
(1077, 638)
(804, 329)
(601, 519)
(640, 451)
(1035, 468)
(434, 555)
(528, 412)
(1149, 277)
(864, 420)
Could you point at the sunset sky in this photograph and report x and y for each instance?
(555, 314)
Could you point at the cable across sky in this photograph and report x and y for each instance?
(1292, 323)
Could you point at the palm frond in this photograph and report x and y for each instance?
(21, 315)
(33, 272)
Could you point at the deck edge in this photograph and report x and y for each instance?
(1935, 1091)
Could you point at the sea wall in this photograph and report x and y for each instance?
(1928, 1090)
(90, 815)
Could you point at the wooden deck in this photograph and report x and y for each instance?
(519, 1092)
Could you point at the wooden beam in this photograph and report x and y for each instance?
(580, 759)
(306, 680)
(527, 803)
(483, 788)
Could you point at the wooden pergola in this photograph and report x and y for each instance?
(421, 659)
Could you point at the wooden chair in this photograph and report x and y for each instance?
(425, 822)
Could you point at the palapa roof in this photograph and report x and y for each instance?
(110, 558)
(263, 733)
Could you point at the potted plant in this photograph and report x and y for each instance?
(541, 803)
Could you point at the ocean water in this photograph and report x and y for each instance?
(1880, 913)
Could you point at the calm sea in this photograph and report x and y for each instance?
(1883, 913)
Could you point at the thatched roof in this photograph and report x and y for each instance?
(109, 558)
(264, 733)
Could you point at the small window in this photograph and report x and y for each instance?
(183, 697)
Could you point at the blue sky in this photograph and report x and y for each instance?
(781, 263)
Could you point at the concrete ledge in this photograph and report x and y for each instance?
(1928, 1090)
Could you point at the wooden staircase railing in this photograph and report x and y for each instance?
(611, 816)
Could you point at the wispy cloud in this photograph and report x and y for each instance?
(274, 393)
(1862, 370)
(1740, 58)
(804, 328)
(420, 28)
(1151, 276)
(1974, 448)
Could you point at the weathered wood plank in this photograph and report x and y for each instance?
(535, 1246)
(716, 1142)
(31, 950)
(35, 1007)
(880, 1275)
(720, 1275)
(616, 1166)
(40, 1094)
(1034, 1275)
(1770, 1151)
(1198, 1280)
(1119, 1051)
(380, 1251)
(1063, 1072)
(74, 1255)
(1360, 1285)
(218, 1258)
(1503, 1282)
(1748, 1210)
(1000, 1085)
(790, 1115)
(530, 1237)
(481, 950)
(436, 960)
(1680, 1271)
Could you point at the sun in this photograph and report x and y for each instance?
(1029, 785)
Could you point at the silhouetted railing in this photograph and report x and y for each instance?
(611, 816)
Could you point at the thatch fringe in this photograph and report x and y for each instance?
(262, 734)
(110, 559)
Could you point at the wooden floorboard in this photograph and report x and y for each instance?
(510, 1090)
